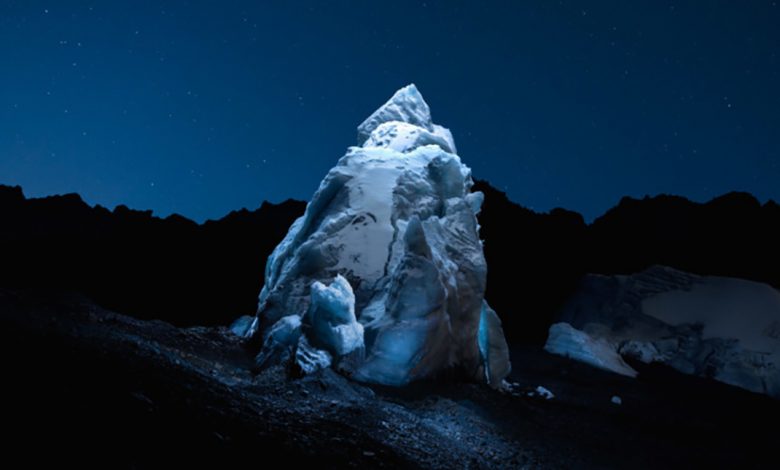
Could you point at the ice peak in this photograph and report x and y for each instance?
(406, 105)
(395, 222)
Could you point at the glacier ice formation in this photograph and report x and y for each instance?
(578, 345)
(726, 329)
(383, 277)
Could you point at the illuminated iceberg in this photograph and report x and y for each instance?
(385, 270)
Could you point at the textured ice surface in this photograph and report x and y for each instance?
(332, 319)
(715, 327)
(310, 359)
(392, 230)
(492, 345)
(241, 326)
(578, 345)
(278, 340)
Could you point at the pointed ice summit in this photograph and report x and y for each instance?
(383, 277)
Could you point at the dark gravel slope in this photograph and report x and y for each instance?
(87, 386)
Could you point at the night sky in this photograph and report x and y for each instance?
(204, 107)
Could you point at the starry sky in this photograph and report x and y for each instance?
(202, 107)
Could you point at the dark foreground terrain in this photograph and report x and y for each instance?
(86, 386)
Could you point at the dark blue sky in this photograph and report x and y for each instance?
(204, 107)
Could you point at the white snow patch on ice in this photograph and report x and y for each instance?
(726, 308)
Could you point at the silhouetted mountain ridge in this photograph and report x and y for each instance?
(187, 273)
(136, 263)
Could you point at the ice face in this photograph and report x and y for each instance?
(278, 341)
(332, 318)
(578, 345)
(407, 105)
(492, 346)
(386, 266)
(721, 328)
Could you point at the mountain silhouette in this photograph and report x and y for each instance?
(135, 263)
(209, 274)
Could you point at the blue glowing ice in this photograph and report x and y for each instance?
(386, 266)
(332, 318)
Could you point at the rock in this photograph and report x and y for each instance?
(394, 223)
(616, 400)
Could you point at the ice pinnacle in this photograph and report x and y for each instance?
(384, 276)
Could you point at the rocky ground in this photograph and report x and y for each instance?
(86, 386)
